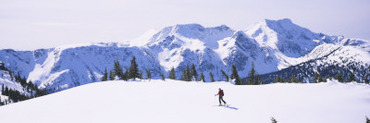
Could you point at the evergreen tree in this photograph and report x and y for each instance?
(105, 75)
(148, 74)
(320, 79)
(259, 80)
(118, 70)
(2, 67)
(11, 75)
(293, 79)
(172, 74)
(286, 80)
(238, 81)
(351, 77)
(111, 75)
(281, 79)
(202, 77)
(133, 70)
(278, 79)
(339, 77)
(14, 95)
(234, 73)
(225, 75)
(366, 80)
(162, 76)
(252, 76)
(188, 74)
(316, 78)
(194, 72)
(125, 75)
(326, 78)
(140, 75)
(211, 76)
(183, 76)
(367, 120)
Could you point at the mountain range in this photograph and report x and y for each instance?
(276, 47)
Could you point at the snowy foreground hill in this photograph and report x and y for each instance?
(188, 102)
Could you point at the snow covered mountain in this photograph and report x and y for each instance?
(15, 88)
(272, 45)
(182, 45)
(7, 81)
(70, 66)
(328, 60)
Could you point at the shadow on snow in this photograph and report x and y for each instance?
(230, 107)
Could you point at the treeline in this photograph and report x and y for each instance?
(318, 78)
(192, 75)
(2, 66)
(15, 95)
(252, 77)
(131, 73)
(305, 72)
(189, 73)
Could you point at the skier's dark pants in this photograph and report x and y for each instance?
(220, 98)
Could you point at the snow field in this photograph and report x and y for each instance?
(184, 102)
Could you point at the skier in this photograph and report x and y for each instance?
(220, 95)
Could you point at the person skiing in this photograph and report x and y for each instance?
(220, 96)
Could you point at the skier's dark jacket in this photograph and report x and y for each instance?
(221, 92)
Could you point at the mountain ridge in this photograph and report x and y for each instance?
(271, 45)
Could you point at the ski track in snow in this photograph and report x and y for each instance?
(183, 102)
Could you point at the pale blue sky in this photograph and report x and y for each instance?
(33, 24)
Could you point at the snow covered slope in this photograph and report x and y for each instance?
(287, 44)
(183, 102)
(181, 45)
(7, 81)
(273, 45)
(328, 60)
(284, 36)
(67, 66)
(14, 88)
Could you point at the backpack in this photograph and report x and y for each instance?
(222, 93)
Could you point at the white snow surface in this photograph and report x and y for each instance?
(188, 102)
